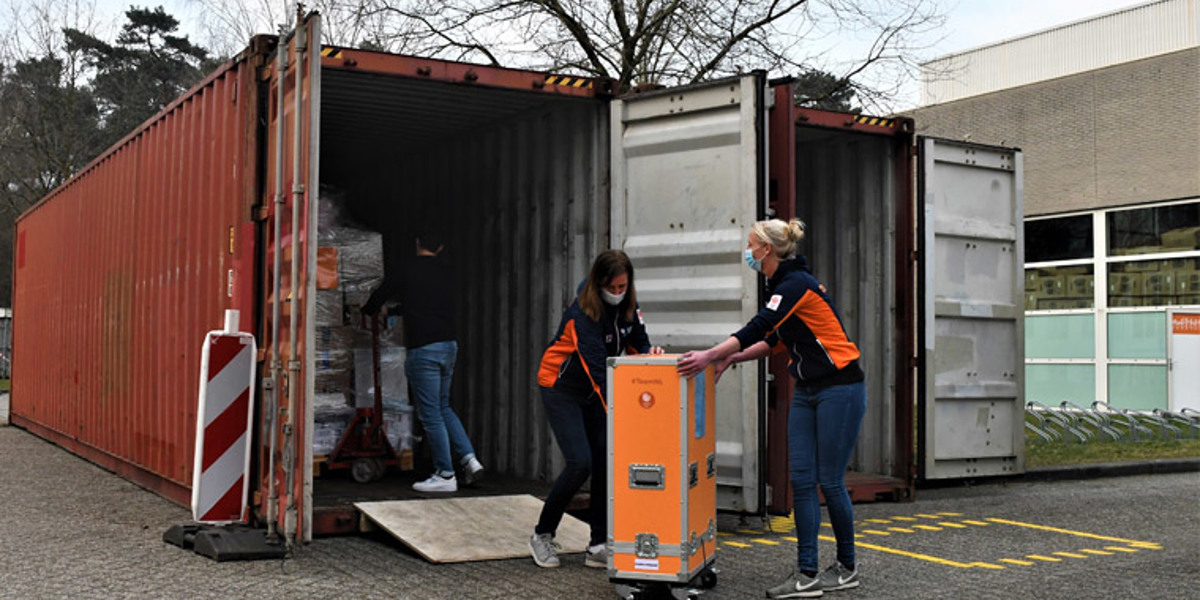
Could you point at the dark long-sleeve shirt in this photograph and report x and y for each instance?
(425, 289)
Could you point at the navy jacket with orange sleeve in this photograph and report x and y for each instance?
(574, 362)
(800, 316)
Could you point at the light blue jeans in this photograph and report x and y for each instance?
(429, 369)
(823, 426)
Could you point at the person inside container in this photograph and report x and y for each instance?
(604, 320)
(426, 294)
(827, 407)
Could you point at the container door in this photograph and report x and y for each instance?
(971, 250)
(290, 192)
(687, 184)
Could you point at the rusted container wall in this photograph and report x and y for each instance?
(120, 272)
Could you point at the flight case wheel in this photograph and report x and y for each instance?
(365, 470)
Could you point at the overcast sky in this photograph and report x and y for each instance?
(970, 23)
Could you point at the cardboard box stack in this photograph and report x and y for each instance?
(350, 267)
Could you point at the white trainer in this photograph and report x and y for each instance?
(472, 471)
(437, 483)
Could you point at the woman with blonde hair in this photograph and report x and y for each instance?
(603, 321)
(827, 407)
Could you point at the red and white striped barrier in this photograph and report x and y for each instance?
(220, 474)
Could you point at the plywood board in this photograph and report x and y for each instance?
(444, 530)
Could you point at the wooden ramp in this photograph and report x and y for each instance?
(470, 529)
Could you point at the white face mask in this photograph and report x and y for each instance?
(610, 298)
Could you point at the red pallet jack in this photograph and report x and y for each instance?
(364, 447)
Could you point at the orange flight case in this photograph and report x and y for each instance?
(662, 503)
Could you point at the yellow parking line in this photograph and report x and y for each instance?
(788, 538)
(875, 532)
(1069, 554)
(1119, 549)
(927, 527)
(979, 523)
(926, 557)
(827, 525)
(880, 521)
(725, 534)
(737, 544)
(954, 525)
(749, 532)
(950, 514)
(765, 542)
(1069, 532)
(927, 516)
(901, 530)
(1099, 552)
(1146, 545)
(1014, 561)
(1045, 558)
(904, 518)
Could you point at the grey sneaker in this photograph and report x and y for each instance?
(597, 559)
(838, 577)
(544, 550)
(472, 471)
(798, 585)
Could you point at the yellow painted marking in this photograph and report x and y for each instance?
(737, 544)
(950, 514)
(954, 525)
(1119, 549)
(880, 521)
(749, 532)
(979, 523)
(765, 542)
(724, 534)
(827, 525)
(1099, 552)
(1069, 554)
(928, 516)
(1147, 545)
(927, 527)
(901, 530)
(1069, 532)
(904, 518)
(1014, 561)
(1045, 558)
(789, 538)
(875, 532)
(926, 557)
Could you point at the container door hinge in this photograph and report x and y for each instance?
(913, 256)
(261, 212)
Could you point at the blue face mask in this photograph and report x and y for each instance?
(752, 262)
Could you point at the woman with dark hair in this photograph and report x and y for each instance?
(603, 321)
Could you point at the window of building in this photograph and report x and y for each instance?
(1098, 288)
(1174, 228)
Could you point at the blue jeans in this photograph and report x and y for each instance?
(429, 369)
(581, 428)
(823, 426)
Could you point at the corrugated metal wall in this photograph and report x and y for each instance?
(846, 195)
(120, 272)
(528, 206)
(1122, 36)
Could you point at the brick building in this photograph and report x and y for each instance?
(1107, 113)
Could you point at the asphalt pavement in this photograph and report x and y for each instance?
(69, 529)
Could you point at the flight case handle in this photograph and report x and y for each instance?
(647, 477)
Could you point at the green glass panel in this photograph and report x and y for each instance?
(1137, 335)
(1060, 336)
(1051, 384)
(1137, 387)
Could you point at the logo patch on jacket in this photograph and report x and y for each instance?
(773, 304)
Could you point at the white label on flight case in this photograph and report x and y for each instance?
(645, 564)
(774, 303)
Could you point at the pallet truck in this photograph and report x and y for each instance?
(364, 447)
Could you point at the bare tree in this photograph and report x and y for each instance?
(672, 42)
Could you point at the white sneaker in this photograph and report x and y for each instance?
(472, 471)
(437, 483)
